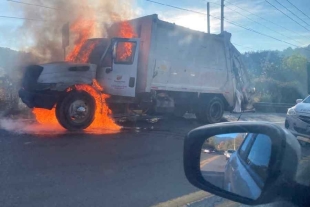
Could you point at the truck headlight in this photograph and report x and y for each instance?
(291, 111)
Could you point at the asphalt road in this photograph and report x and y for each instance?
(139, 166)
(212, 168)
(129, 168)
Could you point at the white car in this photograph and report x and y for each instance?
(298, 118)
(228, 153)
(206, 151)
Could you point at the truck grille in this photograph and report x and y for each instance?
(305, 119)
(31, 76)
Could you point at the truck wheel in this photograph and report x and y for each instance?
(76, 111)
(211, 112)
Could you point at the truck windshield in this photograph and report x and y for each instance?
(99, 49)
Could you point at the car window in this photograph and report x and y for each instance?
(259, 155)
(307, 100)
(243, 151)
(125, 52)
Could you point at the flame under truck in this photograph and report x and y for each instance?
(169, 69)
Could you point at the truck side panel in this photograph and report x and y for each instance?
(187, 60)
(143, 28)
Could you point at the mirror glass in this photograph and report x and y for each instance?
(237, 162)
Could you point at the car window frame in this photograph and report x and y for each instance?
(306, 100)
(244, 156)
(244, 161)
(132, 57)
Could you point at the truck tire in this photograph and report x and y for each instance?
(211, 111)
(76, 111)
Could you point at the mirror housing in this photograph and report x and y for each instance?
(285, 156)
(298, 101)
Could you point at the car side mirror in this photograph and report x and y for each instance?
(251, 164)
(298, 101)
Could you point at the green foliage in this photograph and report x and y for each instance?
(278, 78)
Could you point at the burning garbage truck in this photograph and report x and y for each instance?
(145, 66)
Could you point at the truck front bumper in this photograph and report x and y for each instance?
(297, 126)
(38, 99)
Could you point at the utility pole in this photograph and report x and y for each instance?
(208, 16)
(222, 16)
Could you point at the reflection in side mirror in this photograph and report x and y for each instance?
(239, 163)
(298, 101)
(247, 162)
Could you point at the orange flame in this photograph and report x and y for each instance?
(84, 30)
(102, 114)
(125, 49)
(44, 116)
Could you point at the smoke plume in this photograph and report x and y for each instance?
(44, 34)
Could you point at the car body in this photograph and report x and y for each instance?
(245, 173)
(298, 118)
(206, 151)
(228, 153)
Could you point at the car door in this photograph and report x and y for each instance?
(237, 169)
(258, 159)
(252, 167)
(120, 79)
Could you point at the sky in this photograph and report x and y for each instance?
(231, 135)
(255, 15)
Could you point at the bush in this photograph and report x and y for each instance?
(270, 90)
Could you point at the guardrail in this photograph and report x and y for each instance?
(272, 107)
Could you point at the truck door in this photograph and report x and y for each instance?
(121, 78)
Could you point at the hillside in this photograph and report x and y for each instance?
(13, 61)
(279, 76)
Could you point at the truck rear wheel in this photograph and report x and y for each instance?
(210, 111)
(76, 111)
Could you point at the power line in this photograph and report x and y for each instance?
(244, 46)
(233, 23)
(292, 13)
(30, 4)
(267, 20)
(175, 7)
(257, 32)
(298, 9)
(286, 15)
(258, 23)
(22, 18)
